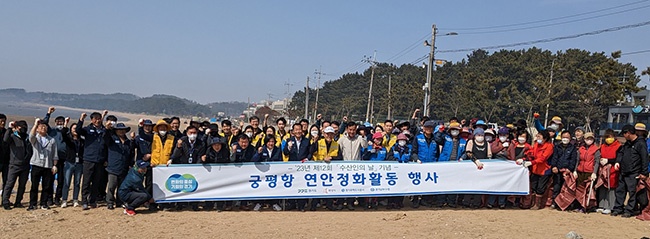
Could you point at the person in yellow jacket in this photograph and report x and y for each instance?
(161, 151)
(326, 149)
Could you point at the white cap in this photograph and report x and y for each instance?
(329, 129)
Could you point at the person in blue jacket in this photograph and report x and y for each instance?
(425, 150)
(554, 129)
(454, 146)
(400, 152)
(375, 152)
(120, 158)
(94, 158)
(132, 191)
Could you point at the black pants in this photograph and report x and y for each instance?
(134, 199)
(538, 183)
(4, 170)
(642, 199)
(102, 183)
(40, 174)
(114, 182)
(15, 173)
(626, 184)
(90, 182)
(60, 179)
(558, 182)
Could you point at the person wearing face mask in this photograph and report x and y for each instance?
(217, 153)
(564, 159)
(314, 134)
(454, 146)
(632, 162)
(400, 152)
(121, 152)
(188, 150)
(18, 143)
(161, 151)
(607, 176)
(554, 127)
(585, 173)
(519, 153)
(538, 158)
(500, 146)
(58, 133)
(477, 149)
(425, 150)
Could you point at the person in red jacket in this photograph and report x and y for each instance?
(607, 176)
(541, 171)
(585, 174)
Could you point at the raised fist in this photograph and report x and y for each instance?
(83, 116)
(536, 115)
(51, 110)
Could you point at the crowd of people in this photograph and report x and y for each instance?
(110, 164)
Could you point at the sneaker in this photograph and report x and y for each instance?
(75, 203)
(600, 210)
(606, 211)
(257, 207)
(277, 207)
(110, 207)
(31, 208)
(85, 207)
(45, 207)
(350, 207)
(129, 212)
(64, 204)
(615, 213)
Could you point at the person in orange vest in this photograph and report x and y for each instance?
(607, 180)
(588, 162)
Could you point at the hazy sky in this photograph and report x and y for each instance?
(231, 50)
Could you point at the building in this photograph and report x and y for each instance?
(635, 109)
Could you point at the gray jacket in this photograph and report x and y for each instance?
(44, 156)
(351, 148)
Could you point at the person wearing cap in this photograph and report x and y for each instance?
(17, 142)
(58, 133)
(500, 146)
(586, 168)
(554, 129)
(43, 163)
(121, 151)
(632, 162)
(538, 157)
(94, 158)
(608, 176)
(564, 159)
(162, 146)
(578, 138)
(454, 146)
(327, 149)
(424, 150)
(73, 167)
(144, 140)
(217, 153)
(642, 132)
(400, 152)
(374, 152)
(131, 191)
(480, 124)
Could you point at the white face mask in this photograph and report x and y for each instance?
(521, 140)
(540, 141)
(455, 132)
(488, 138)
(479, 139)
(314, 133)
(191, 137)
(554, 126)
(162, 133)
(59, 127)
(589, 141)
(503, 138)
(566, 141)
(402, 143)
(250, 135)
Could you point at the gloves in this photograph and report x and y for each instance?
(373, 150)
(169, 162)
(479, 165)
(527, 164)
(536, 115)
(593, 176)
(420, 162)
(54, 170)
(575, 174)
(617, 166)
(520, 161)
(603, 161)
(304, 160)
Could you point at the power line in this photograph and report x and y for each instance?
(544, 20)
(409, 48)
(613, 29)
(557, 23)
(635, 52)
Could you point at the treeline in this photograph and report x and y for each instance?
(499, 87)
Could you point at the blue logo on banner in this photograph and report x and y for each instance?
(181, 183)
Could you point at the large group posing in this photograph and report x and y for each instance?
(107, 162)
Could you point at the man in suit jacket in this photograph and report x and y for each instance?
(297, 149)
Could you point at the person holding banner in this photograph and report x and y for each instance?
(327, 149)
(400, 152)
(375, 152)
(189, 150)
(425, 150)
(297, 149)
(161, 152)
(217, 153)
(538, 158)
(477, 148)
(131, 191)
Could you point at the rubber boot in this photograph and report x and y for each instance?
(535, 202)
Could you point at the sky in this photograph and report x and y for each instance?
(214, 51)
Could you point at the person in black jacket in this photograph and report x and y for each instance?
(297, 149)
(189, 150)
(120, 159)
(268, 152)
(242, 151)
(632, 163)
(21, 151)
(565, 158)
(217, 153)
(73, 167)
(4, 152)
(94, 158)
(58, 132)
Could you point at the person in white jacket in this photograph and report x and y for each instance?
(352, 144)
(43, 162)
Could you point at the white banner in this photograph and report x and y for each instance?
(284, 180)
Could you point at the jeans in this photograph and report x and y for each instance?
(40, 174)
(493, 199)
(114, 181)
(19, 173)
(72, 169)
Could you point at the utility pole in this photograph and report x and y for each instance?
(318, 72)
(389, 99)
(550, 84)
(372, 75)
(307, 98)
(427, 92)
